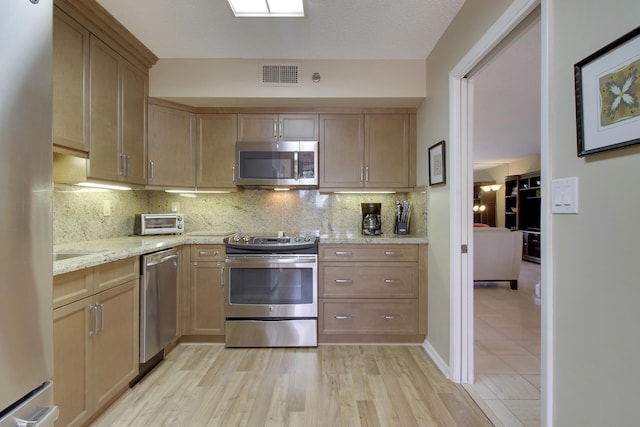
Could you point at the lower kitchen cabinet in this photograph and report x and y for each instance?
(204, 299)
(372, 293)
(95, 341)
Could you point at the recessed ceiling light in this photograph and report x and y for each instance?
(271, 8)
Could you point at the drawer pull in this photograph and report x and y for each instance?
(339, 253)
(392, 253)
(392, 281)
(205, 253)
(341, 281)
(343, 317)
(392, 317)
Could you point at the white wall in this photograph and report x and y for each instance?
(468, 26)
(225, 82)
(596, 268)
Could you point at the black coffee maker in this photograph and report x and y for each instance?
(371, 220)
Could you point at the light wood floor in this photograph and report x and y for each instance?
(507, 350)
(209, 385)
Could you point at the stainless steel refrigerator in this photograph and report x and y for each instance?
(26, 312)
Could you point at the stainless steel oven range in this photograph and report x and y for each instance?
(272, 291)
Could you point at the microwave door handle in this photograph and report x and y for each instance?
(296, 171)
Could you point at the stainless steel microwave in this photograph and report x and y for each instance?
(277, 164)
(170, 223)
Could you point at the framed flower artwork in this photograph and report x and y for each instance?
(607, 85)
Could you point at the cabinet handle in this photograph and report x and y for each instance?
(233, 174)
(361, 173)
(205, 253)
(366, 174)
(296, 170)
(392, 253)
(123, 165)
(275, 129)
(344, 281)
(150, 170)
(281, 126)
(101, 308)
(343, 316)
(392, 281)
(392, 317)
(340, 253)
(221, 277)
(94, 330)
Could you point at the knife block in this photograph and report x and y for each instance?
(401, 228)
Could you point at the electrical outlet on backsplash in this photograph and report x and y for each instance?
(76, 213)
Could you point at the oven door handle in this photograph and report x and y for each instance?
(262, 261)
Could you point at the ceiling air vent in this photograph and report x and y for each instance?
(279, 75)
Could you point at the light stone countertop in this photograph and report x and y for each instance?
(98, 252)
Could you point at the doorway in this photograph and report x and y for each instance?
(462, 353)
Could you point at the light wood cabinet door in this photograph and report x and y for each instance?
(71, 359)
(386, 150)
(207, 293)
(70, 83)
(115, 353)
(172, 158)
(277, 127)
(134, 123)
(104, 156)
(217, 135)
(341, 148)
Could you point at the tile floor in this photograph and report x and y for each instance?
(507, 350)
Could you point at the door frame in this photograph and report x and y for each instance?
(461, 263)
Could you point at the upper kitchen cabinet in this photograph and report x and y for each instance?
(277, 127)
(172, 147)
(341, 150)
(370, 151)
(117, 103)
(216, 160)
(100, 88)
(70, 84)
(386, 151)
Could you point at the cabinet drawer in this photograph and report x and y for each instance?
(364, 280)
(375, 253)
(369, 316)
(115, 273)
(207, 253)
(72, 287)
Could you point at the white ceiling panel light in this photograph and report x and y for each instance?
(269, 8)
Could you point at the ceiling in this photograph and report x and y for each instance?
(332, 29)
(507, 123)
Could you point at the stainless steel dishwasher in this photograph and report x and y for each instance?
(158, 307)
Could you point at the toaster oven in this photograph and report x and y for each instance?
(147, 224)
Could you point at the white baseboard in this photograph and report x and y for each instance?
(435, 356)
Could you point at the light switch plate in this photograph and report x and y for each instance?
(564, 195)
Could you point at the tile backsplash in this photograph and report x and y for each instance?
(79, 215)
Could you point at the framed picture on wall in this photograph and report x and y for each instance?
(607, 85)
(437, 172)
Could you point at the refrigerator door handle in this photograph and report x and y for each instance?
(45, 417)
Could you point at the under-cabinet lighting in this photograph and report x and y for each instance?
(195, 192)
(267, 8)
(364, 192)
(103, 186)
(281, 189)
